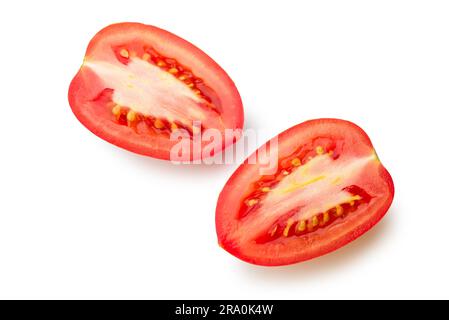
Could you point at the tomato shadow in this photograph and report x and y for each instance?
(330, 263)
(215, 165)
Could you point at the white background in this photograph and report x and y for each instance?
(80, 218)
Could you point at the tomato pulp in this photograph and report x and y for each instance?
(329, 189)
(138, 84)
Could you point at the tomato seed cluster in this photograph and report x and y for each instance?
(126, 116)
(290, 227)
(286, 166)
(179, 71)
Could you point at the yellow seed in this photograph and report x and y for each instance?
(173, 71)
(173, 126)
(315, 221)
(331, 152)
(190, 85)
(338, 210)
(131, 116)
(124, 53)
(161, 63)
(146, 56)
(301, 226)
(266, 189)
(354, 199)
(325, 217)
(296, 162)
(285, 172)
(273, 231)
(287, 228)
(197, 92)
(252, 202)
(319, 150)
(158, 124)
(116, 110)
(182, 77)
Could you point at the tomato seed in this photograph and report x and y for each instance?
(159, 124)
(301, 226)
(296, 162)
(315, 221)
(116, 110)
(124, 53)
(131, 116)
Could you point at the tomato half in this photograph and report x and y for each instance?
(329, 188)
(139, 83)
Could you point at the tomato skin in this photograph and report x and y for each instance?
(290, 251)
(86, 84)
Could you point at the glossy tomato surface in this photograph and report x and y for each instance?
(138, 84)
(329, 188)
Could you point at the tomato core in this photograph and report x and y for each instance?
(294, 175)
(142, 66)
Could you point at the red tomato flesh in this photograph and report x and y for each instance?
(139, 83)
(329, 189)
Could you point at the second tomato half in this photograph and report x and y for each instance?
(327, 189)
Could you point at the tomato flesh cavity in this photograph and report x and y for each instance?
(138, 84)
(329, 188)
(152, 90)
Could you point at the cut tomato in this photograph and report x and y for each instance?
(329, 189)
(138, 84)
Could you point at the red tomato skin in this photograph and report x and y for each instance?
(223, 205)
(232, 108)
